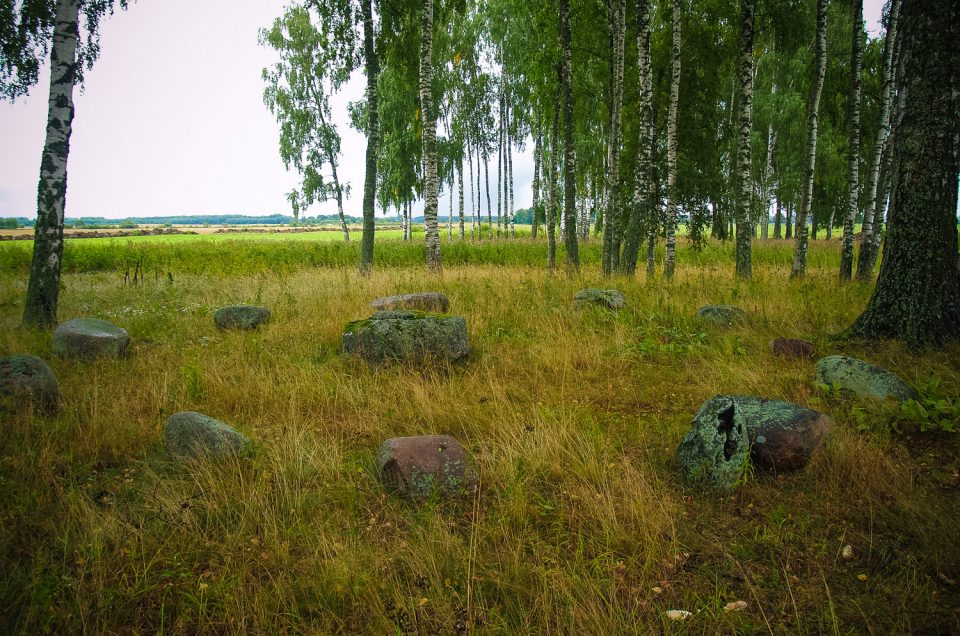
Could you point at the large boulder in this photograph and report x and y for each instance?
(435, 302)
(861, 378)
(407, 336)
(778, 436)
(88, 338)
(716, 449)
(722, 315)
(607, 298)
(192, 435)
(240, 317)
(792, 348)
(26, 380)
(416, 467)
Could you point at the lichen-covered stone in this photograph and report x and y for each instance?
(783, 435)
(28, 381)
(419, 466)
(88, 338)
(435, 302)
(240, 317)
(716, 449)
(722, 315)
(861, 378)
(192, 435)
(607, 298)
(791, 348)
(407, 336)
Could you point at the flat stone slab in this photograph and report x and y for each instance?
(28, 381)
(607, 298)
(240, 317)
(722, 315)
(88, 338)
(192, 435)
(778, 436)
(434, 302)
(419, 466)
(792, 348)
(407, 336)
(861, 378)
(715, 451)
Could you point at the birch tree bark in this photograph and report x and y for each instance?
(768, 183)
(537, 152)
(460, 174)
(373, 139)
(853, 152)
(642, 189)
(430, 183)
(513, 209)
(473, 198)
(917, 296)
(745, 121)
(43, 289)
(569, 157)
(868, 252)
(670, 227)
(552, 202)
(486, 176)
(617, 15)
(806, 201)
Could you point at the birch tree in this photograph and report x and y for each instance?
(429, 122)
(744, 120)
(617, 15)
(32, 30)
(670, 226)
(806, 202)
(853, 152)
(569, 159)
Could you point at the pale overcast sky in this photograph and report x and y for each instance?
(172, 121)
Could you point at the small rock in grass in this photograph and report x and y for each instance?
(88, 338)
(716, 449)
(416, 467)
(861, 378)
(678, 615)
(608, 298)
(241, 317)
(407, 336)
(847, 552)
(792, 348)
(735, 606)
(435, 302)
(722, 315)
(192, 435)
(26, 380)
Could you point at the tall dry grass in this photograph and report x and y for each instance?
(582, 525)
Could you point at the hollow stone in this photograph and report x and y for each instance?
(88, 338)
(608, 298)
(416, 467)
(435, 302)
(407, 336)
(26, 380)
(716, 449)
(861, 378)
(192, 435)
(722, 315)
(240, 317)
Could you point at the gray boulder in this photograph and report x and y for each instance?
(26, 380)
(240, 317)
(434, 302)
(722, 315)
(608, 298)
(88, 338)
(716, 449)
(861, 378)
(191, 435)
(416, 467)
(407, 336)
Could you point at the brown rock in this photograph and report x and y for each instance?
(792, 348)
(416, 467)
